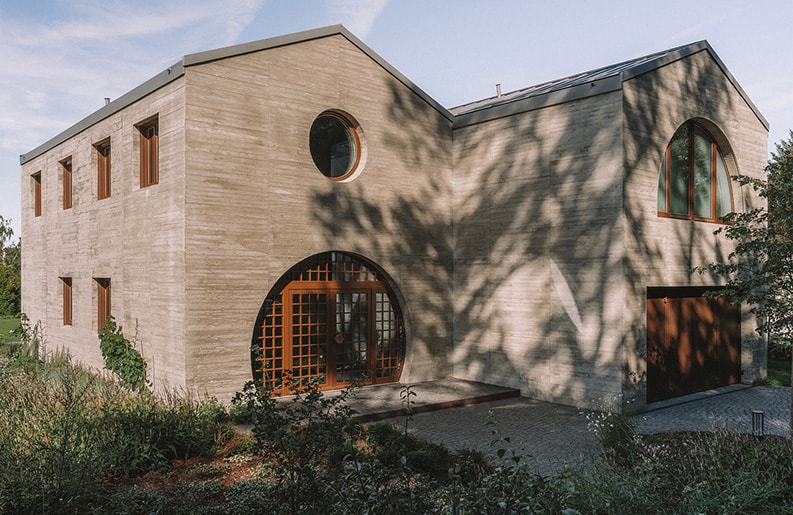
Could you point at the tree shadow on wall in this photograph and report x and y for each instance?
(521, 263)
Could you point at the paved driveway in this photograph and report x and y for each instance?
(549, 435)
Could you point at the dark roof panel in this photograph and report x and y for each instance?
(581, 85)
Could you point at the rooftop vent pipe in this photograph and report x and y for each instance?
(498, 90)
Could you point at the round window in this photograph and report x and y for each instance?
(334, 145)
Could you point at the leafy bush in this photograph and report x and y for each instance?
(252, 497)
(304, 437)
(121, 357)
(395, 449)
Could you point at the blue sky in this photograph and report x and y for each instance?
(61, 58)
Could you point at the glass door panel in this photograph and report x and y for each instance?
(351, 340)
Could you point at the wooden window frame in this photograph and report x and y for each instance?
(66, 172)
(36, 184)
(149, 152)
(103, 298)
(714, 154)
(67, 300)
(103, 169)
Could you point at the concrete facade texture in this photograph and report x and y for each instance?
(520, 247)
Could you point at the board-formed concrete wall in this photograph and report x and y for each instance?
(520, 248)
(135, 238)
(557, 236)
(256, 204)
(663, 251)
(239, 202)
(538, 246)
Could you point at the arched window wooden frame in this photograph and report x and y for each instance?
(333, 319)
(689, 180)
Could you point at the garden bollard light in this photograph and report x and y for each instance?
(758, 422)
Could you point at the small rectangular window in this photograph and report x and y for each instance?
(149, 153)
(103, 300)
(66, 170)
(103, 169)
(67, 300)
(36, 183)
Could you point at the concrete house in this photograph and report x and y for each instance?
(296, 207)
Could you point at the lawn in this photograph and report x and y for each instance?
(779, 372)
(8, 326)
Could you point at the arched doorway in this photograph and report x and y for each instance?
(332, 318)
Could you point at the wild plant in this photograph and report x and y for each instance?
(121, 357)
(304, 436)
(510, 487)
(48, 460)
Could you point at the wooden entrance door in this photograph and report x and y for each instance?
(330, 336)
(331, 331)
(693, 344)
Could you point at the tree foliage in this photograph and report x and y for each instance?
(760, 270)
(10, 271)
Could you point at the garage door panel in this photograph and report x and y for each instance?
(693, 344)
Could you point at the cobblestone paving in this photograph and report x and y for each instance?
(730, 411)
(551, 435)
(547, 435)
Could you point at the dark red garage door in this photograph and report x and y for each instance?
(693, 342)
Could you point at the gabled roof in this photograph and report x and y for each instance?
(177, 70)
(582, 85)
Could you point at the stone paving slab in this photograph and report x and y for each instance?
(386, 401)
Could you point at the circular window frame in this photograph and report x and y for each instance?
(354, 132)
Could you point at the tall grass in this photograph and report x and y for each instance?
(67, 435)
(779, 372)
(66, 431)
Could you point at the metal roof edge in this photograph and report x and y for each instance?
(250, 47)
(166, 76)
(485, 114)
(737, 86)
(308, 35)
(684, 51)
(177, 70)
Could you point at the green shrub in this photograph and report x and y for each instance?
(305, 437)
(148, 431)
(121, 357)
(65, 430)
(617, 436)
(48, 460)
(395, 449)
(691, 473)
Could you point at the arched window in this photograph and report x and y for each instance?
(693, 182)
(333, 318)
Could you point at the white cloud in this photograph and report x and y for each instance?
(357, 15)
(58, 67)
